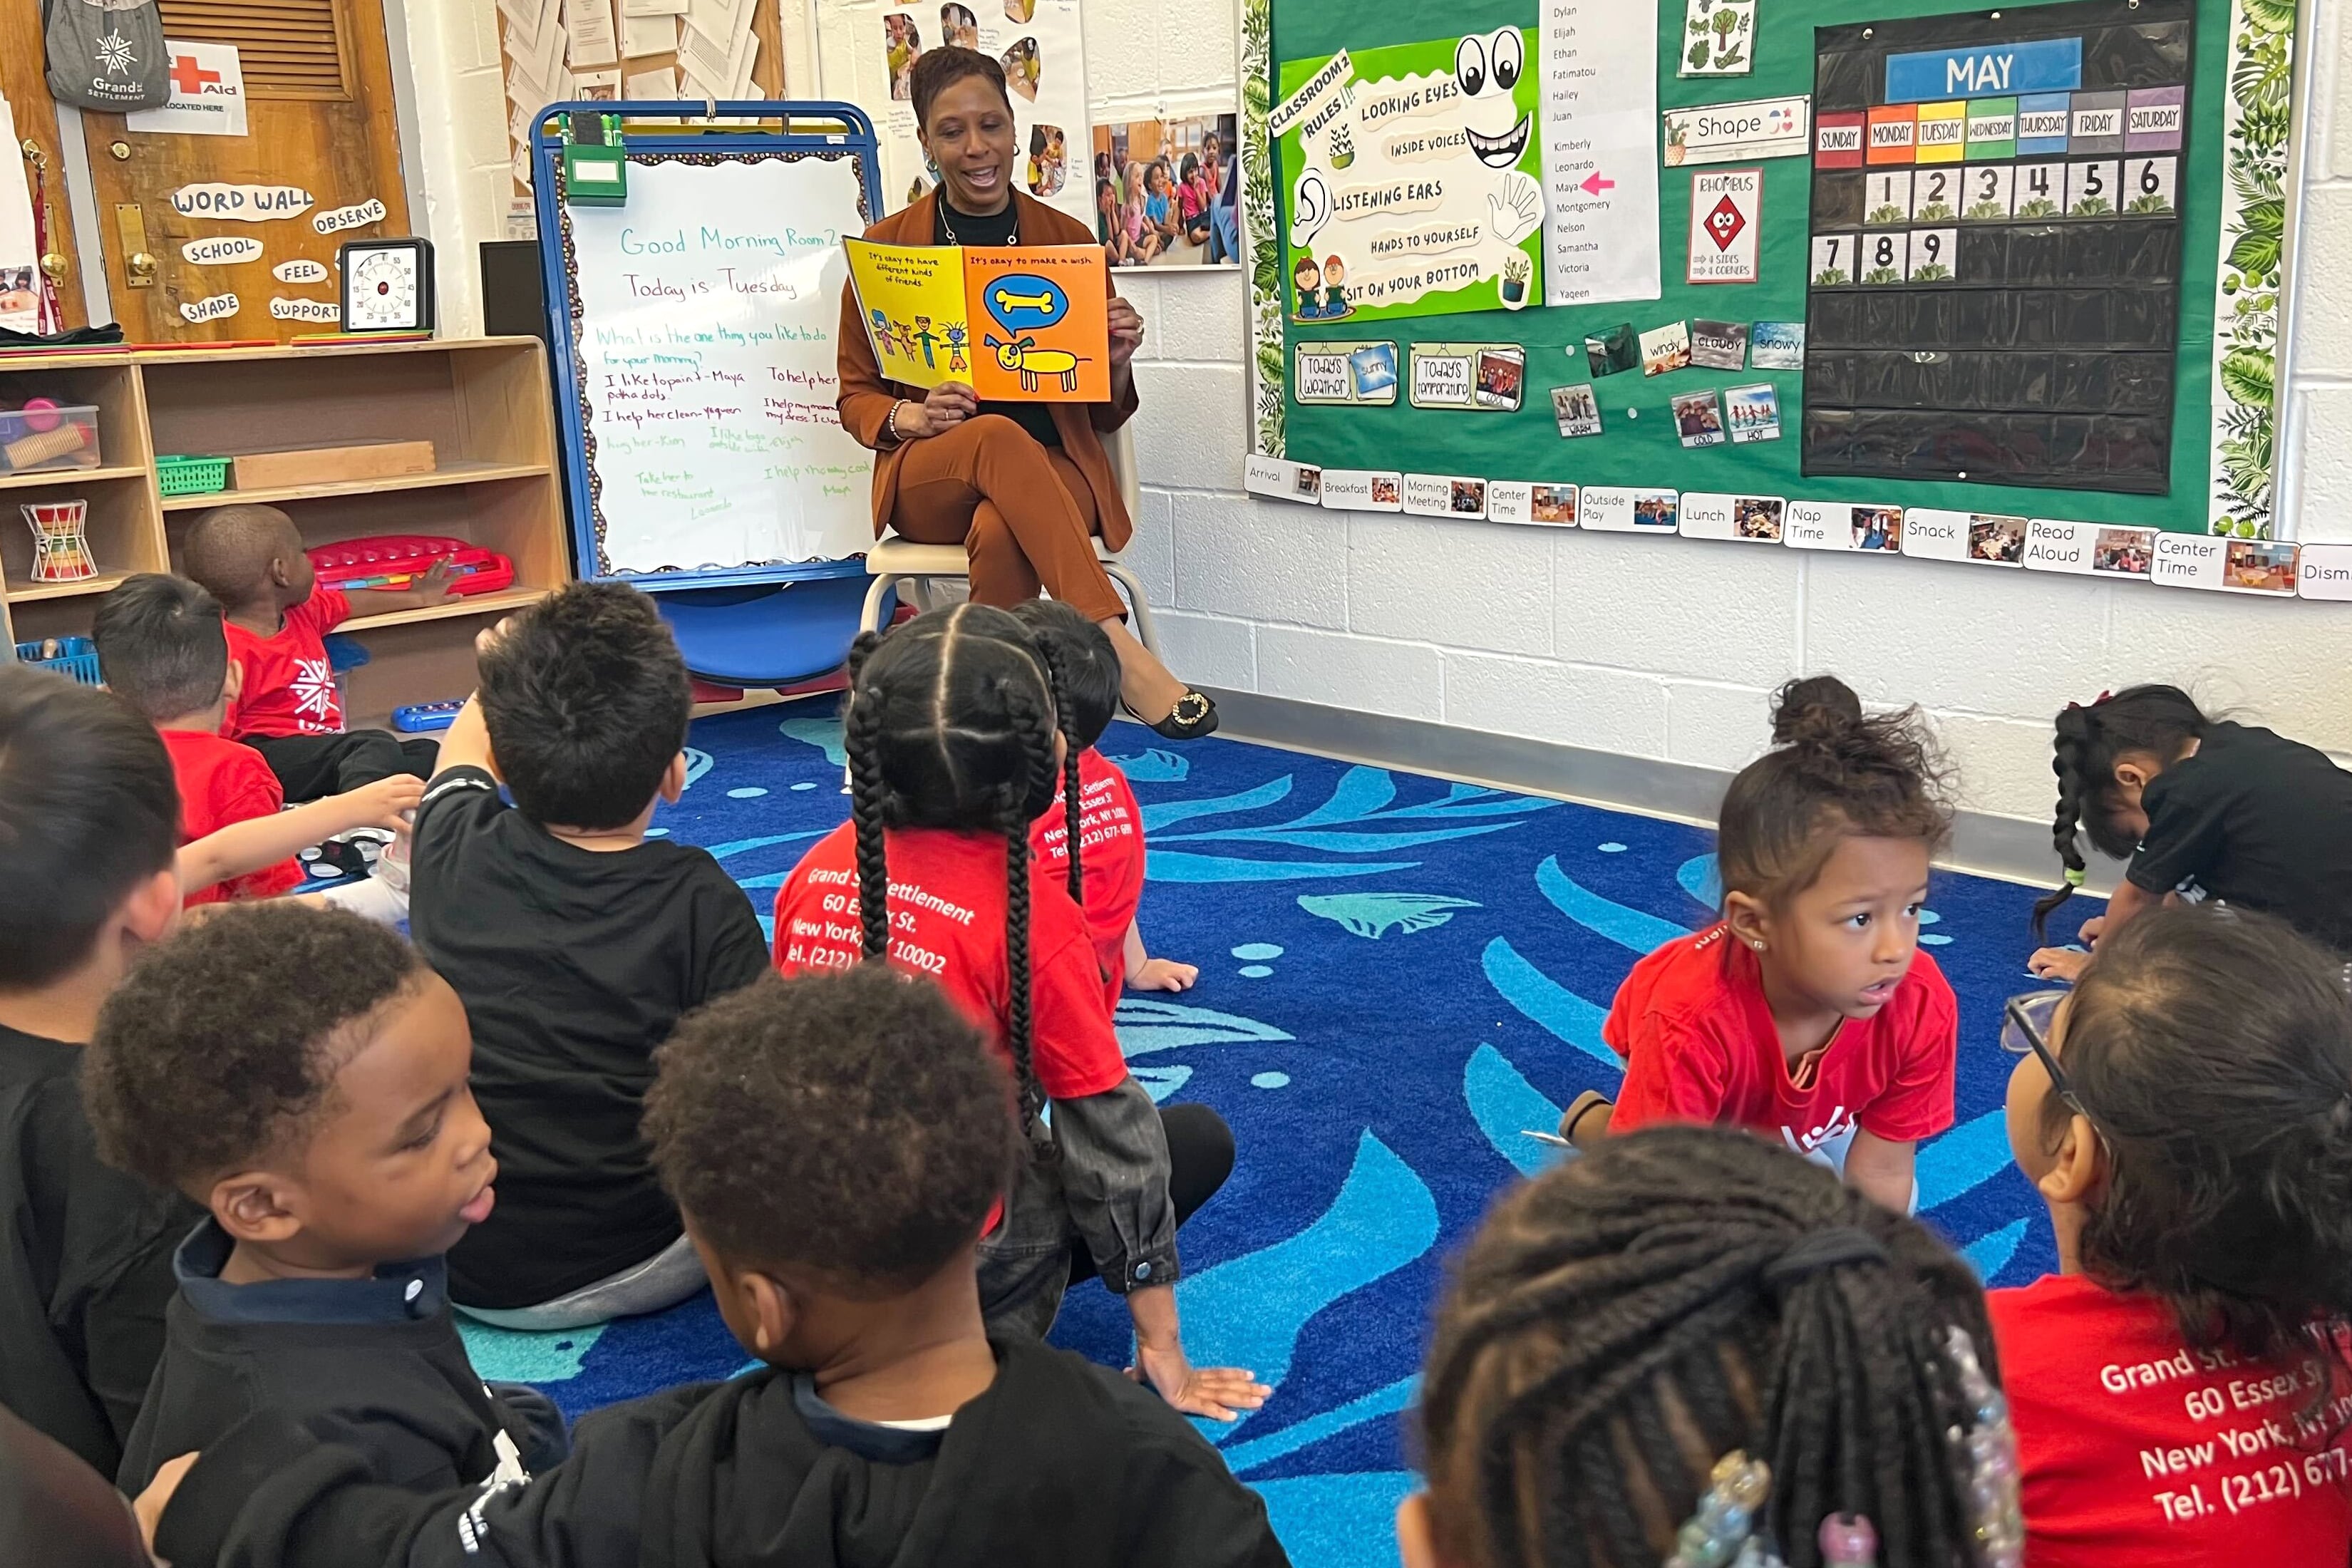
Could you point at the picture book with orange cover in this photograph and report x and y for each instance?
(1012, 322)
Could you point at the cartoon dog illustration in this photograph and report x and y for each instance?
(1023, 355)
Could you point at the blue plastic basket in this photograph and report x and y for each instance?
(78, 661)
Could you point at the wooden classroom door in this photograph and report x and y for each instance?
(38, 153)
(319, 124)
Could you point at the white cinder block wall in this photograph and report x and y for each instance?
(1658, 648)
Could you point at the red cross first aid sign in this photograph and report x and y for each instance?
(207, 93)
(1727, 213)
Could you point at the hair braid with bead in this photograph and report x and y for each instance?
(1623, 1322)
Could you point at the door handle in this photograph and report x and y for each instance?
(138, 266)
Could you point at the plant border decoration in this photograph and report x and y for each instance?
(1261, 255)
(2259, 120)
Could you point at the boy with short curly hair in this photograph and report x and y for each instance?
(838, 1141)
(576, 943)
(299, 1072)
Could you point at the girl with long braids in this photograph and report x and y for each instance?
(2200, 805)
(1690, 1348)
(957, 744)
(1809, 1014)
(2186, 1112)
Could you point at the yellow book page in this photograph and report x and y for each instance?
(1041, 312)
(912, 299)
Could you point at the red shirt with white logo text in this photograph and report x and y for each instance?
(289, 687)
(946, 922)
(223, 783)
(2138, 1451)
(1699, 1044)
(1110, 858)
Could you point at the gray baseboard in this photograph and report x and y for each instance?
(1984, 844)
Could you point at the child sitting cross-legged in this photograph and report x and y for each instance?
(1809, 1014)
(299, 1072)
(1110, 823)
(576, 943)
(2182, 1384)
(837, 1143)
(1690, 1348)
(163, 650)
(250, 558)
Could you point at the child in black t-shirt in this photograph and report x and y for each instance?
(299, 1072)
(2203, 808)
(838, 1141)
(575, 944)
(89, 815)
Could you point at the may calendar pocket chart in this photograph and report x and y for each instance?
(1993, 273)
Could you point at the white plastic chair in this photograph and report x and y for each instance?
(892, 559)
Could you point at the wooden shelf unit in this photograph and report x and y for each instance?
(483, 403)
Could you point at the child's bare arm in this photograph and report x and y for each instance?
(466, 743)
(1881, 1170)
(245, 847)
(1145, 972)
(431, 589)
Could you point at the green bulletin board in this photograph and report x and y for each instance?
(1639, 445)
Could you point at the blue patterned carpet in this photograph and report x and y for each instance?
(1398, 976)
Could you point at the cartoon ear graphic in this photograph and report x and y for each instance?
(1470, 66)
(1311, 208)
(1508, 51)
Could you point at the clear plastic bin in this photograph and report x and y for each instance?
(44, 437)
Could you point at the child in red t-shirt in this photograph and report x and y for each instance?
(2180, 1386)
(162, 649)
(1110, 822)
(954, 751)
(250, 558)
(1808, 1015)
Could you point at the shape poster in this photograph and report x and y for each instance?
(1411, 179)
(1025, 322)
(1599, 150)
(1994, 273)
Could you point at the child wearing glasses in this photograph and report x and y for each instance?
(2202, 805)
(2180, 1387)
(1809, 1014)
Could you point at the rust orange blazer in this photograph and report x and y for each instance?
(866, 399)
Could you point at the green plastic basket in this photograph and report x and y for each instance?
(187, 476)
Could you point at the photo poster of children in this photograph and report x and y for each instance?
(1411, 179)
(1167, 193)
(1042, 47)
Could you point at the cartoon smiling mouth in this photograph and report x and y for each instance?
(1502, 152)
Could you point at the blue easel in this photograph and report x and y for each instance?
(761, 625)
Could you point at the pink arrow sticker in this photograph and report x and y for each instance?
(1595, 185)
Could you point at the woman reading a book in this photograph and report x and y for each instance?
(1022, 486)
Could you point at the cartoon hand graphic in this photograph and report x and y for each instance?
(1515, 211)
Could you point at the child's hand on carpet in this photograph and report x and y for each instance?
(2059, 963)
(1219, 1393)
(1162, 974)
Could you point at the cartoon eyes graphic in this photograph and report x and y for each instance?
(1496, 60)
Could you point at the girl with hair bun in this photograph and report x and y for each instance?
(1691, 1348)
(1806, 1014)
(2200, 805)
(958, 739)
(2181, 1384)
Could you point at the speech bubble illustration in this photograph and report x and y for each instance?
(1022, 301)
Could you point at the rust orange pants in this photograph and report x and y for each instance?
(1021, 510)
